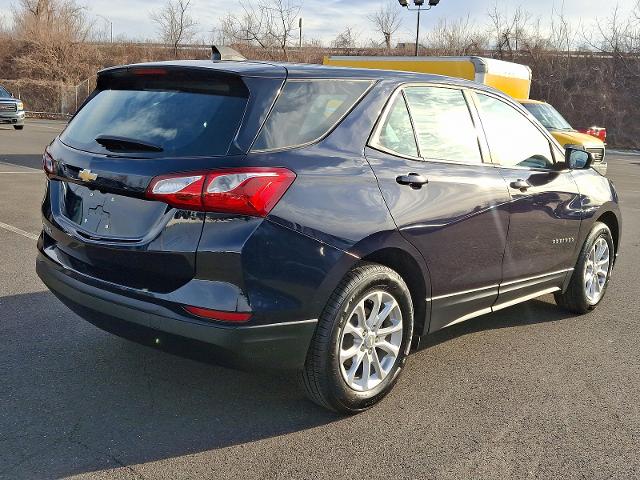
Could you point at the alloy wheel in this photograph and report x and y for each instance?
(370, 341)
(596, 271)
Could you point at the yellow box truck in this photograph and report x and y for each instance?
(511, 78)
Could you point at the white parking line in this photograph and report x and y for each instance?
(13, 229)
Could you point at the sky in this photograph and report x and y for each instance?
(324, 19)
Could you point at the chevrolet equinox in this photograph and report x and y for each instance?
(317, 219)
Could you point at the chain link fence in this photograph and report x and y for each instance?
(50, 98)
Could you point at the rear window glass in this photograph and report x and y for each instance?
(306, 110)
(157, 113)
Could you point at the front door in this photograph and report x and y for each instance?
(449, 204)
(545, 206)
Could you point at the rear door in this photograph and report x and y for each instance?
(545, 205)
(444, 199)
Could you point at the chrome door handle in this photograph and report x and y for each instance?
(521, 185)
(414, 180)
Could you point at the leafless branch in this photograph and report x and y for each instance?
(175, 23)
(387, 21)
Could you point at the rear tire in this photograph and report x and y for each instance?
(18, 127)
(590, 277)
(356, 356)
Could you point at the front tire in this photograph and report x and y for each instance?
(590, 277)
(18, 127)
(362, 340)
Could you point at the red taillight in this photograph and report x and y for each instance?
(598, 132)
(48, 164)
(235, 317)
(252, 191)
(248, 191)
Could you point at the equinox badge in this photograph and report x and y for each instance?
(86, 175)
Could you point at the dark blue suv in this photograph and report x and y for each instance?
(317, 219)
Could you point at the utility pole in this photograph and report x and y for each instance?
(300, 25)
(110, 25)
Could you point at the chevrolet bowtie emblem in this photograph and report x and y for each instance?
(86, 175)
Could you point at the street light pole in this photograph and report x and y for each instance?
(419, 4)
(418, 29)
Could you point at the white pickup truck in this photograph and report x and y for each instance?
(11, 109)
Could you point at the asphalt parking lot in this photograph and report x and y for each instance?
(530, 392)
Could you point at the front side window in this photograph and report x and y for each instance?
(396, 134)
(513, 140)
(306, 110)
(443, 124)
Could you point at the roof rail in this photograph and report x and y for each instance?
(220, 53)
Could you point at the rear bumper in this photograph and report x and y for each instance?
(277, 346)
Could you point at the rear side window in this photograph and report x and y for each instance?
(154, 112)
(306, 110)
(443, 124)
(396, 134)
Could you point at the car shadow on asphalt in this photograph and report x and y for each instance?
(81, 400)
(528, 313)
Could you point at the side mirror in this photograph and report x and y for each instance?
(578, 158)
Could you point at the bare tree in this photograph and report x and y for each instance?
(51, 20)
(175, 23)
(387, 21)
(268, 24)
(53, 36)
(458, 37)
(283, 15)
(348, 38)
(4, 23)
(508, 31)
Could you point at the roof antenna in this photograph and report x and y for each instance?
(220, 53)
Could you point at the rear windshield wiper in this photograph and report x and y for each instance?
(123, 144)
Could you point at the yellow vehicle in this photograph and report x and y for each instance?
(511, 78)
(564, 133)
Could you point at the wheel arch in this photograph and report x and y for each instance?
(610, 219)
(409, 269)
(391, 249)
